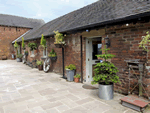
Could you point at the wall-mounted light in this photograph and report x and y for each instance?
(87, 30)
(127, 24)
(107, 41)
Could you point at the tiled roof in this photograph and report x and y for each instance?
(95, 14)
(11, 20)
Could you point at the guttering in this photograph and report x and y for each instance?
(81, 61)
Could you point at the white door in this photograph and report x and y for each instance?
(93, 45)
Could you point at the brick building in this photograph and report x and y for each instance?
(12, 27)
(123, 22)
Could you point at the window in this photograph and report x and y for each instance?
(97, 46)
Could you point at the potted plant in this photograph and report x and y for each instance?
(32, 46)
(23, 45)
(42, 43)
(70, 71)
(40, 65)
(52, 55)
(59, 39)
(26, 53)
(105, 76)
(19, 58)
(16, 46)
(77, 78)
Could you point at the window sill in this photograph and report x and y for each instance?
(43, 57)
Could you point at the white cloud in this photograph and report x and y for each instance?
(42, 9)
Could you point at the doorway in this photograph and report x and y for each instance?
(93, 47)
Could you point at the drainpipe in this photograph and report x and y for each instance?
(63, 63)
(81, 61)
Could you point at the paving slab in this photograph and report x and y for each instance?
(27, 90)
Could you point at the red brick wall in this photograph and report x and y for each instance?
(71, 53)
(124, 44)
(7, 35)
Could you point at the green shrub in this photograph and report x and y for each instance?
(16, 45)
(52, 53)
(26, 52)
(23, 45)
(39, 62)
(77, 76)
(59, 38)
(70, 67)
(106, 71)
(43, 42)
(19, 56)
(33, 46)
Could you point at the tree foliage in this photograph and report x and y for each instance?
(23, 45)
(145, 41)
(33, 46)
(43, 41)
(59, 38)
(106, 71)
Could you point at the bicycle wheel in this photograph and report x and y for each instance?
(47, 64)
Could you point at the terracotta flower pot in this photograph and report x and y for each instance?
(40, 67)
(76, 79)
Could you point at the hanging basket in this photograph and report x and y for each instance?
(59, 45)
(53, 58)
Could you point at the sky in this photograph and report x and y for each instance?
(41, 9)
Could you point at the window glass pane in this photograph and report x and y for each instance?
(96, 50)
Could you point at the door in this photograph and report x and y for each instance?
(93, 46)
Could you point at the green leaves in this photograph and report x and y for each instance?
(39, 62)
(23, 45)
(33, 46)
(52, 53)
(43, 41)
(59, 38)
(70, 67)
(16, 45)
(145, 41)
(105, 71)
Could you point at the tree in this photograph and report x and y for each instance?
(23, 45)
(43, 41)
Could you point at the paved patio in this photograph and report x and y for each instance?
(27, 90)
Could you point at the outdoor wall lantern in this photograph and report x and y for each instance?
(107, 41)
(87, 30)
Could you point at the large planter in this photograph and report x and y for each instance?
(40, 67)
(106, 92)
(59, 45)
(19, 59)
(70, 75)
(53, 58)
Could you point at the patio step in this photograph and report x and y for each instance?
(134, 103)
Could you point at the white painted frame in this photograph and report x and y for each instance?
(89, 63)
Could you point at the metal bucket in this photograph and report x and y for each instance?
(19, 60)
(70, 75)
(13, 56)
(106, 92)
